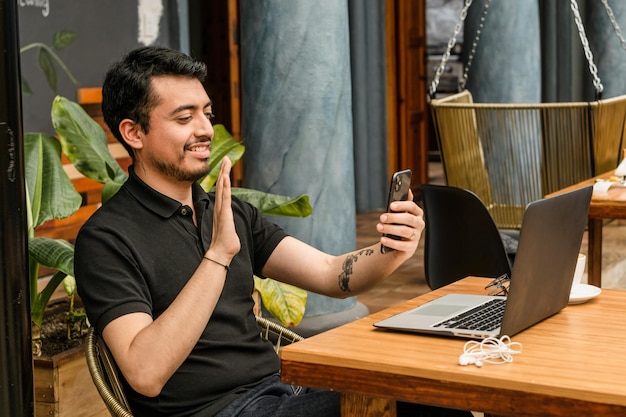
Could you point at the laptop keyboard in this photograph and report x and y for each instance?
(485, 317)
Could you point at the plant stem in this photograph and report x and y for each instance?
(54, 55)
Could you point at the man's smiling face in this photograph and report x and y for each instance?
(177, 145)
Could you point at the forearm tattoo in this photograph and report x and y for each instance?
(348, 268)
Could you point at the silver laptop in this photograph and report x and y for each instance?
(541, 279)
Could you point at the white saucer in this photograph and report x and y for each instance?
(581, 293)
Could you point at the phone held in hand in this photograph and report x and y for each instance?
(398, 191)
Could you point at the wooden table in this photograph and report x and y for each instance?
(571, 364)
(604, 205)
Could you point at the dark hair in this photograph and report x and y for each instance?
(127, 89)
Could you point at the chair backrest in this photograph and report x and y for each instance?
(276, 333)
(105, 374)
(461, 238)
(513, 154)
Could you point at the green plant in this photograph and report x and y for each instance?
(46, 57)
(51, 195)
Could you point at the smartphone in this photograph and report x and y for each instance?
(398, 190)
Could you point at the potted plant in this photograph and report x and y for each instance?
(50, 194)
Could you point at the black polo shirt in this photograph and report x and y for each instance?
(137, 252)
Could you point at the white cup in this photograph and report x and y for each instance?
(580, 269)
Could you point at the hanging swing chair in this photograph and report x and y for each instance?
(513, 154)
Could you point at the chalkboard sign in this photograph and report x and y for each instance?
(104, 31)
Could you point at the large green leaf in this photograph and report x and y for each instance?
(53, 253)
(84, 142)
(51, 193)
(276, 204)
(283, 301)
(223, 144)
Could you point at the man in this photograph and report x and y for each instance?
(165, 269)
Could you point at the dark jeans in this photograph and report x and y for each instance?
(274, 399)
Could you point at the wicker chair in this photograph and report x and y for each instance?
(104, 372)
(510, 155)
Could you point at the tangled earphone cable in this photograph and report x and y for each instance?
(489, 350)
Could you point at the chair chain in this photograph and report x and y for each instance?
(583, 39)
(451, 43)
(616, 27)
(581, 32)
(470, 57)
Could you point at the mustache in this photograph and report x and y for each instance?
(206, 140)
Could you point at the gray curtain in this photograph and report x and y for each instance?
(367, 56)
(506, 66)
(565, 72)
(565, 75)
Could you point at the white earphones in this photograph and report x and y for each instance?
(489, 350)
(470, 359)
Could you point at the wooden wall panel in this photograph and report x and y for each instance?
(407, 106)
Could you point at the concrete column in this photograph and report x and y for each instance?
(297, 119)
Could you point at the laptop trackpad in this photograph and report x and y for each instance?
(438, 309)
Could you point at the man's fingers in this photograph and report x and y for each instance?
(222, 186)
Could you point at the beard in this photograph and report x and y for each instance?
(175, 171)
